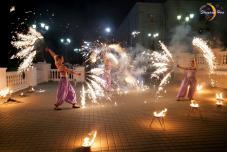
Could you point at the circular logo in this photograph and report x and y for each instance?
(210, 11)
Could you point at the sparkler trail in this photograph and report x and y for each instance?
(206, 51)
(207, 54)
(164, 64)
(82, 95)
(25, 43)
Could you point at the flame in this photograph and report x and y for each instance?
(219, 96)
(219, 99)
(161, 113)
(4, 92)
(89, 140)
(219, 102)
(194, 104)
(199, 87)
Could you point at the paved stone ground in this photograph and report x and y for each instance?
(33, 125)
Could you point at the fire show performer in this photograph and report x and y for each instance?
(65, 91)
(189, 81)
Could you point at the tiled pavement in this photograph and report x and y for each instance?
(33, 125)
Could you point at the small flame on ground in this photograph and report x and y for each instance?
(161, 113)
(199, 87)
(194, 104)
(4, 92)
(219, 99)
(89, 140)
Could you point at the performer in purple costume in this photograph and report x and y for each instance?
(65, 91)
(189, 81)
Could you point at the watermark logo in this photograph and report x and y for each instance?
(210, 11)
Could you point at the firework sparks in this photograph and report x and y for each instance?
(92, 93)
(112, 58)
(125, 73)
(82, 95)
(97, 71)
(163, 63)
(26, 45)
(206, 51)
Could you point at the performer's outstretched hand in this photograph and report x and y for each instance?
(47, 49)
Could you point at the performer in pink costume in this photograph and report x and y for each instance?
(65, 91)
(189, 81)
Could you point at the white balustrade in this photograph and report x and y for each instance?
(55, 75)
(16, 81)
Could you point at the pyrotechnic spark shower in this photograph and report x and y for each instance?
(124, 75)
(163, 63)
(206, 51)
(207, 54)
(25, 43)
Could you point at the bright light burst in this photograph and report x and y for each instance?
(25, 43)
(12, 9)
(124, 75)
(4, 92)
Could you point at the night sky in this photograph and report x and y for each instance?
(77, 19)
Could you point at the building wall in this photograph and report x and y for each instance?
(162, 18)
(144, 17)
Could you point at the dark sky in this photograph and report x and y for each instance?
(81, 19)
(77, 19)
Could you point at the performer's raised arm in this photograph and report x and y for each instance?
(51, 53)
(72, 71)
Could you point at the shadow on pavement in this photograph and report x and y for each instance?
(82, 149)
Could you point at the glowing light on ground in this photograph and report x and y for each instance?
(161, 113)
(4, 92)
(219, 99)
(90, 139)
(194, 104)
(199, 88)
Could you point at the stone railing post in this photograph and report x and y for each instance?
(3, 80)
(43, 71)
(32, 76)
